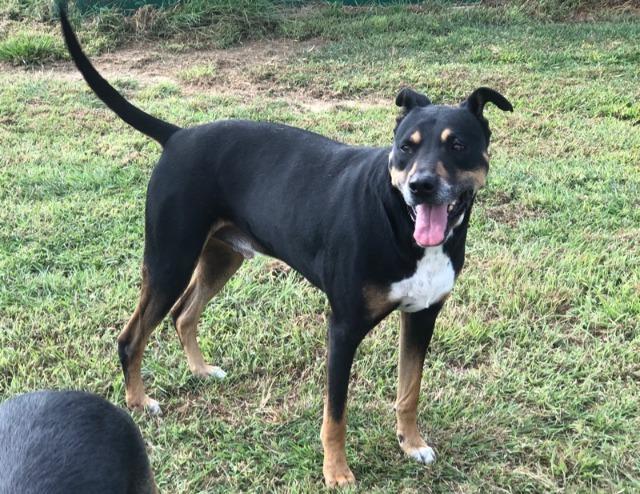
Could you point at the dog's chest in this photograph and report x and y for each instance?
(431, 282)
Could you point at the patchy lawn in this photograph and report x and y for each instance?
(532, 383)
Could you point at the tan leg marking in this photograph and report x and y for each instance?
(136, 332)
(335, 468)
(410, 365)
(217, 263)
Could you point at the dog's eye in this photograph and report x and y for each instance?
(457, 145)
(406, 148)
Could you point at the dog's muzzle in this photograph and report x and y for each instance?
(432, 222)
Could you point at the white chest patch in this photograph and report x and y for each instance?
(433, 279)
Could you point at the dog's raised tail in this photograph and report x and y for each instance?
(155, 128)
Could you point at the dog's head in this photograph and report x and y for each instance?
(439, 159)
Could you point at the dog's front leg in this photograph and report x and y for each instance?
(415, 334)
(342, 344)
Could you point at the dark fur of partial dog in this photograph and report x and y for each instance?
(69, 442)
(377, 229)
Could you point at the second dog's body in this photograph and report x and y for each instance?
(70, 442)
(374, 228)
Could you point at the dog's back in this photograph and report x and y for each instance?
(70, 442)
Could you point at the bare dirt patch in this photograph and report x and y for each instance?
(152, 62)
(229, 72)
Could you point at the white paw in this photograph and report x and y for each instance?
(424, 455)
(153, 407)
(206, 371)
(216, 372)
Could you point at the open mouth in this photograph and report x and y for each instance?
(434, 221)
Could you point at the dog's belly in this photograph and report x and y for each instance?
(243, 244)
(432, 281)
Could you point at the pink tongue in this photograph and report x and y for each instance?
(431, 222)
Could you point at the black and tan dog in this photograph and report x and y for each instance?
(377, 229)
(70, 442)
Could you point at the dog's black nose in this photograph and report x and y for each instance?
(423, 184)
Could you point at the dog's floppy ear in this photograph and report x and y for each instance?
(483, 95)
(408, 99)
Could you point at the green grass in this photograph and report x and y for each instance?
(532, 382)
(192, 23)
(199, 74)
(108, 24)
(30, 48)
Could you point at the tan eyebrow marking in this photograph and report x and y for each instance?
(416, 137)
(445, 134)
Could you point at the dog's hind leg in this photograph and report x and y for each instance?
(151, 309)
(170, 258)
(217, 263)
